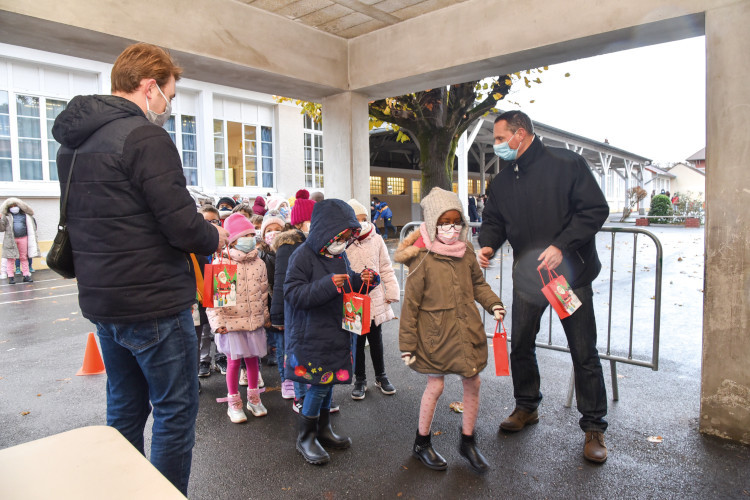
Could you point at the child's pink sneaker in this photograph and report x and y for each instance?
(287, 389)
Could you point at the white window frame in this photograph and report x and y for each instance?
(258, 155)
(44, 138)
(314, 131)
(177, 139)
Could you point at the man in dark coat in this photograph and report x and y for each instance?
(132, 224)
(318, 349)
(547, 204)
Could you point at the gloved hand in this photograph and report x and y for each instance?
(499, 312)
(408, 358)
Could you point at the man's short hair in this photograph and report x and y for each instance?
(517, 119)
(208, 209)
(375, 198)
(139, 61)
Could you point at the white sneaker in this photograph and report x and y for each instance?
(261, 384)
(254, 404)
(234, 410)
(243, 377)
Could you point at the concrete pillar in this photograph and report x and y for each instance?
(346, 150)
(725, 378)
(205, 125)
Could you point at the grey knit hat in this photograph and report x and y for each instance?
(435, 204)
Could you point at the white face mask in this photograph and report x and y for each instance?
(224, 213)
(448, 237)
(337, 247)
(159, 119)
(14, 210)
(366, 227)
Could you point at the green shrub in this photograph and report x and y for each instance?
(660, 205)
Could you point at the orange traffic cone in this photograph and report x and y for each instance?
(92, 360)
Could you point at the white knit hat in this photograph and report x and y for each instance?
(359, 209)
(435, 204)
(271, 217)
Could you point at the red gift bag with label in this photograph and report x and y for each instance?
(560, 295)
(356, 313)
(220, 284)
(500, 350)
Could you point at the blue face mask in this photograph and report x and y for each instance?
(505, 152)
(245, 244)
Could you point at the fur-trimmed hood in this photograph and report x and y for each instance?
(290, 237)
(17, 202)
(406, 250)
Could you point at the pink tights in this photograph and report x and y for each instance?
(430, 398)
(233, 374)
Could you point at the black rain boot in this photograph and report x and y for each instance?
(307, 443)
(327, 437)
(426, 454)
(468, 450)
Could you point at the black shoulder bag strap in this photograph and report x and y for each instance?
(64, 199)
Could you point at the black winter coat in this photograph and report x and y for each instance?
(131, 219)
(318, 350)
(547, 197)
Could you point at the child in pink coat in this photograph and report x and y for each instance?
(369, 252)
(240, 327)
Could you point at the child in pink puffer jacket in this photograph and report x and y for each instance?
(369, 252)
(240, 327)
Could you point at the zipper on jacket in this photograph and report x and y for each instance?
(579, 256)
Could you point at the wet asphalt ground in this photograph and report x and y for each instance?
(43, 336)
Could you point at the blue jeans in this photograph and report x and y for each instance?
(279, 337)
(386, 225)
(580, 330)
(318, 398)
(153, 362)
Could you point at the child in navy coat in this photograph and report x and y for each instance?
(318, 349)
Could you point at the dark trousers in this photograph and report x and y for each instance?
(386, 225)
(375, 336)
(580, 330)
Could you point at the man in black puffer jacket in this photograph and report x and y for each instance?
(547, 204)
(132, 224)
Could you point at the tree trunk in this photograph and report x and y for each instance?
(437, 151)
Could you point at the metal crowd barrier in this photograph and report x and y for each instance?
(630, 357)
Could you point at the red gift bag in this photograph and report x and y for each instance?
(559, 295)
(356, 313)
(500, 349)
(220, 284)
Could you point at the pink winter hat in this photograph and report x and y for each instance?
(302, 211)
(302, 194)
(238, 226)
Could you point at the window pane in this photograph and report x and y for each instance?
(191, 176)
(265, 134)
(4, 125)
(31, 170)
(219, 177)
(267, 180)
(267, 164)
(6, 170)
(30, 149)
(250, 148)
(27, 106)
(54, 108)
(190, 159)
(308, 140)
(251, 178)
(318, 141)
(4, 148)
(29, 127)
(52, 148)
(188, 124)
(219, 145)
(415, 191)
(52, 166)
(267, 149)
(219, 162)
(320, 182)
(4, 108)
(249, 133)
(218, 128)
(376, 185)
(188, 142)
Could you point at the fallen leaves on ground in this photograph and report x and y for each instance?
(437, 433)
(24, 413)
(654, 439)
(457, 406)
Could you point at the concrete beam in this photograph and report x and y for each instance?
(221, 41)
(725, 377)
(481, 38)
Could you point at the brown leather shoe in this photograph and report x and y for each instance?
(595, 450)
(519, 419)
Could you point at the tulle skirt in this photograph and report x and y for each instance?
(242, 344)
